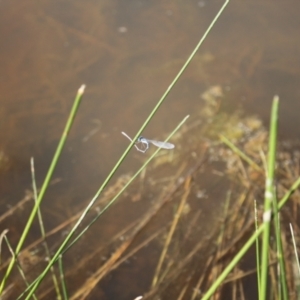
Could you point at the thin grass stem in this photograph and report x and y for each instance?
(247, 245)
(38, 280)
(280, 253)
(18, 265)
(62, 278)
(297, 285)
(257, 249)
(240, 153)
(172, 230)
(42, 228)
(269, 198)
(132, 143)
(295, 248)
(123, 188)
(45, 183)
(2, 235)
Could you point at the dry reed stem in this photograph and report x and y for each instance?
(241, 290)
(288, 250)
(91, 282)
(197, 291)
(115, 260)
(183, 290)
(19, 205)
(3, 233)
(82, 262)
(212, 276)
(236, 230)
(274, 282)
(239, 237)
(234, 286)
(216, 269)
(100, 273)
(187, 188)
(137, 248)
(106, 197)
(178, 269)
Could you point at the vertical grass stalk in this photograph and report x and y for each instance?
(43, 232)
(257, 249)
(62, 247)
(18, 265)
(137, 135)
(283, 289)
(247, 246)
(45, 183)
(269, 197)
(62, 278)
(209, 293)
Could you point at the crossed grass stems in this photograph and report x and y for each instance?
(270, 215)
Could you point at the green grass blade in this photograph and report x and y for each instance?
(67, 239)
(233, 263)
(62, 278)
(247, 245)
(18, 265)
(257, 249)
(140, 131)
(240, 153)
(45, 183)
(180, 72)
(269, 198)
(111, 202)
(280, 253)
(43, 232)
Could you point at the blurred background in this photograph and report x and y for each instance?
(127, 53)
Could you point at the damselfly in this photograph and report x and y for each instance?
(145, 142)
(158, 144)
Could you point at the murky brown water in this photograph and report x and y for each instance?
(127, 53)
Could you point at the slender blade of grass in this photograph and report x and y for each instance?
(18, 265)
(247, 245)
(160, 102)
(269, 198)
(240, 153)
(37, 281)
(62, 278)
(139, 133)
(280, 253)
(257, 249)
(42, 228)
(45, 183)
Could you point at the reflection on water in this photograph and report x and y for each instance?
(127, 53)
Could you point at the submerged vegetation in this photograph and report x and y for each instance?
(202, 208)
(197, 244)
